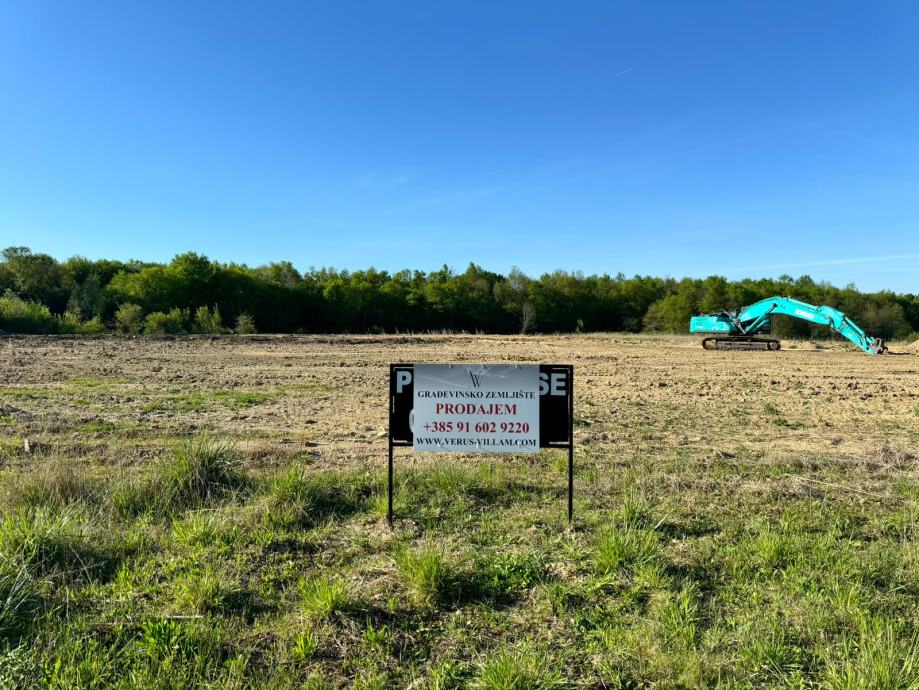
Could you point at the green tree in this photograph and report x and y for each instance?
(36, 277)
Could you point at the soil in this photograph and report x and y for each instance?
(113, 400)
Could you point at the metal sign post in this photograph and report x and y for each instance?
(482, 408)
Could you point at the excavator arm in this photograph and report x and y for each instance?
(740, 327)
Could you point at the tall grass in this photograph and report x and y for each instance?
(879, 659)
(198, 473)
(19, 598)
(46, 541)
(297, 498)
(429, 578)
(52, 482)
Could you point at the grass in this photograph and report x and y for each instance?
(880, 659)
(426, 574)
(289, 578)
(625, 548)
(323, 597)
(19, 597)
(198, 473)
(52, 483)
(709, 549)
(45, 541)
(296, 498)
(518, 670)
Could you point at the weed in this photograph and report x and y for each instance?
(18, 668)
(305, 646)
(380, 638)
(509, 572)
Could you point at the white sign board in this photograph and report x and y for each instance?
(476, 408)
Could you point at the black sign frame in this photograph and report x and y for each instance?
(556, 419)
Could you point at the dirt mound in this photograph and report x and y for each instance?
(913, 347)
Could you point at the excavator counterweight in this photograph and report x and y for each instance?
(737, 330)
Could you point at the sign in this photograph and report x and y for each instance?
(493, 408)
(476, 408)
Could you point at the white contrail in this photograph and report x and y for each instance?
(620, 74)
(831, 262)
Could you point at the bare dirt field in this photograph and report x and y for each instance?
(635, 395)
(729, 506)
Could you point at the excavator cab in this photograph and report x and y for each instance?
(729, 334)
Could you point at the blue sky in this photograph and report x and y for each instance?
(667, 138)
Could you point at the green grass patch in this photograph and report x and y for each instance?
(322, 597)
(518, 670)
(198, 473)
(238, 400)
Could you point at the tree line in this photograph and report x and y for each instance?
(192, 293)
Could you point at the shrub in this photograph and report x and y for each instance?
(71, 323)
(19, 316)
(245, 324)
(130, 318)
(207, 321)
(93, 326)
(159, 323)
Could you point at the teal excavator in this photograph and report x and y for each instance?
(737, 330)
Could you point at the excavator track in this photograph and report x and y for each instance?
(740, 343)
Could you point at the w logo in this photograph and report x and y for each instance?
(476, 379)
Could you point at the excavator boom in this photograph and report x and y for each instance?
(737, 330)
